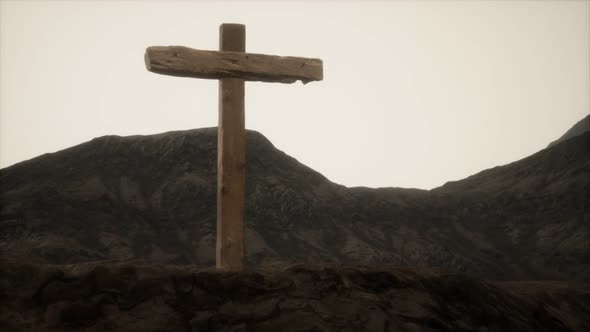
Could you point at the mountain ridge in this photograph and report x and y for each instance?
(153, 197)
(579, 128)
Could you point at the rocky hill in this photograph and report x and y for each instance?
(135, 296)
(153, 197)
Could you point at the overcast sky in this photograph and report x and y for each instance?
(414, 93)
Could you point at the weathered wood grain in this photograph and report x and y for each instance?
(232, 67)
(186, 62)
(231, 158)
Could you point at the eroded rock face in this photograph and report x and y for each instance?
(135, 296)
(153, 197)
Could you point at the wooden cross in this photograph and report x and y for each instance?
(231, 66)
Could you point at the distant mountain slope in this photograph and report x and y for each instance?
(543, 172)
(581, 127)
(154, 197)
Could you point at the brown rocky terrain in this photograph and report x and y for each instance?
(118, 234)
(136, 296)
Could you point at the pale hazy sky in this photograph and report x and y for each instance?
(414, 93)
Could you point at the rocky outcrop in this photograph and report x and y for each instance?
(136, 296)
(153, 197)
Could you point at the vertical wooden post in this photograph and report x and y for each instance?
(231, 157)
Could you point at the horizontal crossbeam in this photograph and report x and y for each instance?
(187, 62)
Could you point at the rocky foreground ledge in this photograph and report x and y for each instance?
(136, 296)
